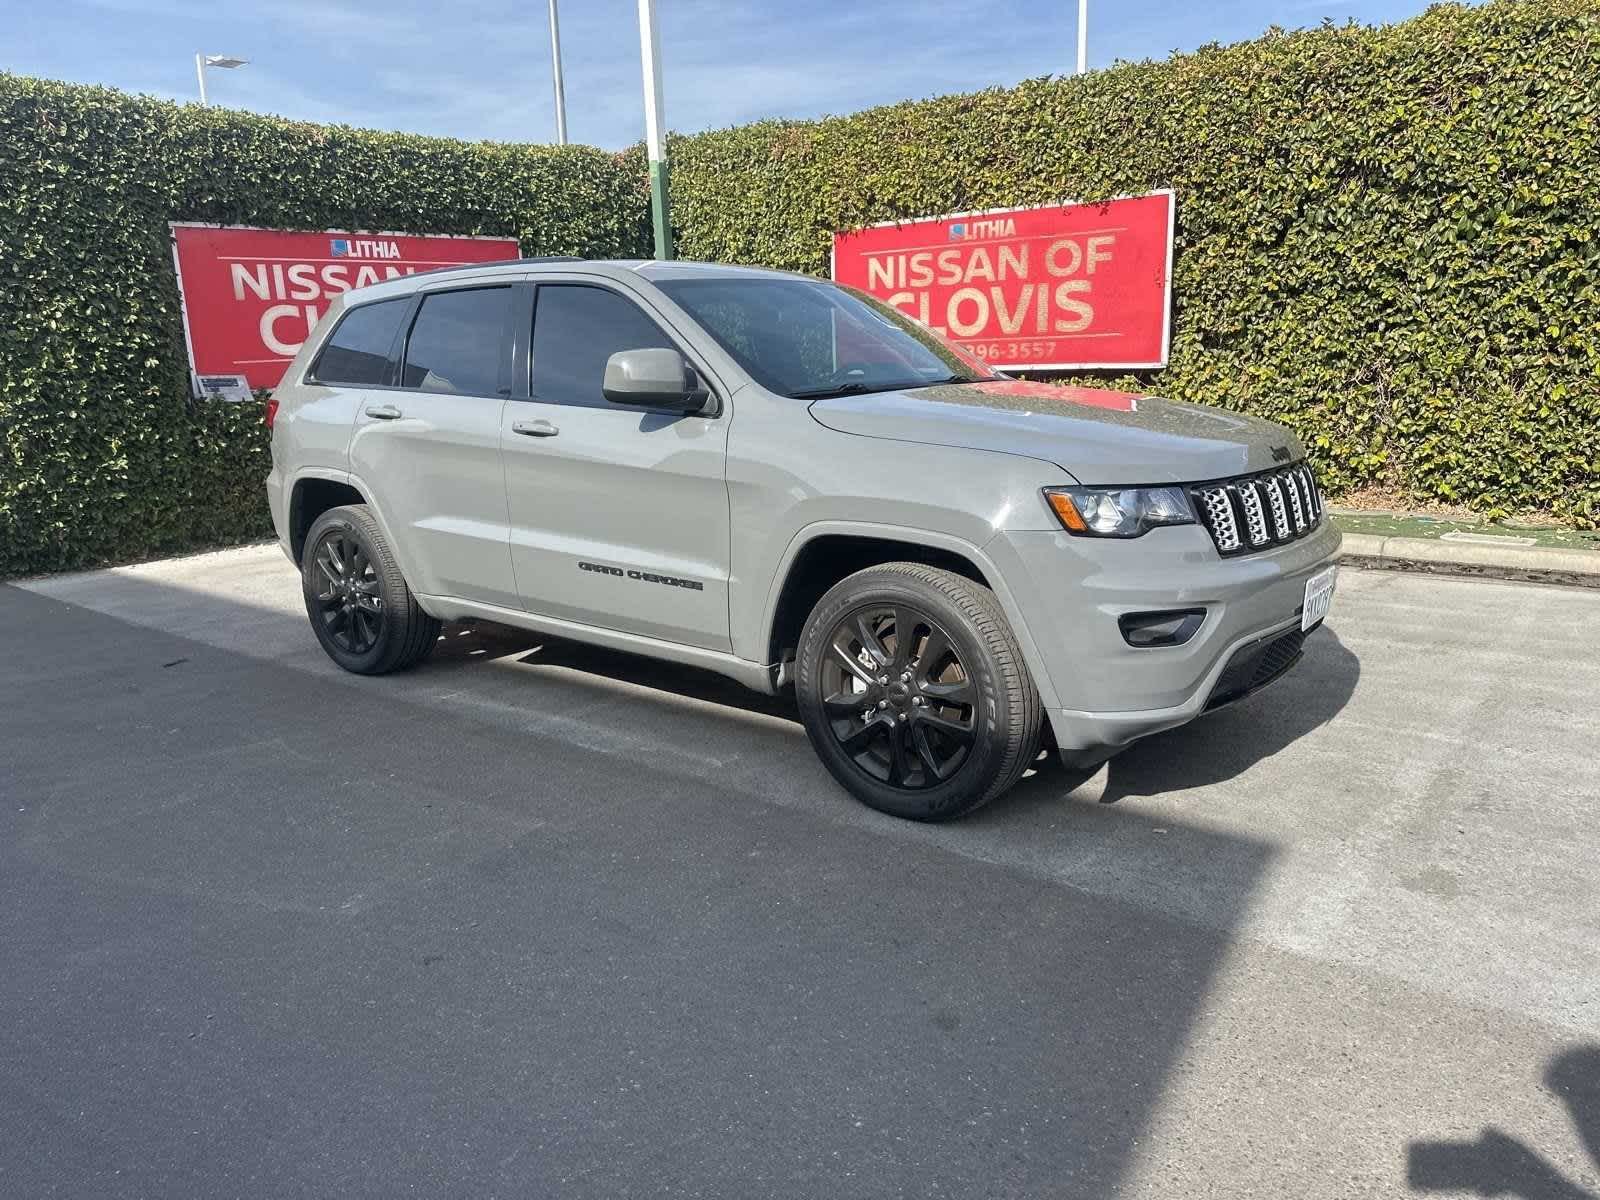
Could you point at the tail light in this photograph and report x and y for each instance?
(272, 413)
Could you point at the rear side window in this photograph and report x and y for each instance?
(458, 342)
(357, 353)
(575, 330)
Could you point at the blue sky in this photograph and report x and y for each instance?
(481, 68)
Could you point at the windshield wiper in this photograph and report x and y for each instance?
(907, 385)
(843, 389)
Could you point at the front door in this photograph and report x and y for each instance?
(619, 516)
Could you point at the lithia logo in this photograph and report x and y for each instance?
(363, 248)
(993, 228)
(643, 576)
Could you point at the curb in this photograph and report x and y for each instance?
(1538, 564)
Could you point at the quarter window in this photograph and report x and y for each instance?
(357, 352)
(458, 341)
(576, 329)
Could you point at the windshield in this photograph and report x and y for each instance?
(806, 338)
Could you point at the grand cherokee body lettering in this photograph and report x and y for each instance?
(692, 585)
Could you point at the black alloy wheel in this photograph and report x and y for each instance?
(898, 699)
(913, 691)
(350, 598)
(360, 607)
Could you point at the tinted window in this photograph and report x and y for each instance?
(358, 352)
(458, 341)
(575, 330)
(803, 337)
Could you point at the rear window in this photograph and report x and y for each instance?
(458, 342)
(357, 354)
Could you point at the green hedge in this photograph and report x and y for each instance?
(1387, 238)
(102, 456)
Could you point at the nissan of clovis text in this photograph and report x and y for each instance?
(788, 482)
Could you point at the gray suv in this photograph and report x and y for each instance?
(785, 481)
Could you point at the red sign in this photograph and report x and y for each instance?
(251, 296)
(1062, 286)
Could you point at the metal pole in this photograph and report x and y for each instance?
(555, 58)
(200, 74)
(1083, 36)
(655, 136)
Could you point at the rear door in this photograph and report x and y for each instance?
(427, 446)
(619, 516)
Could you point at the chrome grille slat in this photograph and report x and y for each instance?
(1280, 513)
(1254, 514)
(1295, 503)
(1312, 495)
(1257, 512)
(1219, 518)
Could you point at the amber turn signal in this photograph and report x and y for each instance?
(1067, 511)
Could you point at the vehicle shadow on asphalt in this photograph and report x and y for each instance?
(1212, 749)
(465, 643)
(1497, 1163)
(1221, 745)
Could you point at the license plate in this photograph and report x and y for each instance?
(1319, 597)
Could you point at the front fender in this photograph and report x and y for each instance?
(932, 539)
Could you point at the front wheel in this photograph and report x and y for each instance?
(360, 607)
(913, 691)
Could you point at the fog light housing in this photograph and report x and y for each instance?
(1172, 627)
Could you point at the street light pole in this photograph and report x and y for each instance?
(555, 59)
(655, 136)
(202, 61)
(1083, 36)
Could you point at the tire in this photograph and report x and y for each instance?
(947, 720)
(366, 619)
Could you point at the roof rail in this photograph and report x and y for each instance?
(499, 262)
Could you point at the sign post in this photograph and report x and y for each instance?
(655, 135)
(252, 296)
(1057, 287)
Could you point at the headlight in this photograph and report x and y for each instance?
(1118, 512)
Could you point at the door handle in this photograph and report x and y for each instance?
(384, 412)
(540, 428)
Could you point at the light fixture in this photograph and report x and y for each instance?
(202, 61)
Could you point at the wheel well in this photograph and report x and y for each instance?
(312, 498)
(826, 560)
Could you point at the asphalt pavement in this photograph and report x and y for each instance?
(539, 920)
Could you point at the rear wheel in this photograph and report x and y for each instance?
(359, 605)
(913, 691)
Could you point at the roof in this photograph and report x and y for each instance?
(652, 269)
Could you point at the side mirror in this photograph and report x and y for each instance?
(654, 379)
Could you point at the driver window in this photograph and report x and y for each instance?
(576, 328)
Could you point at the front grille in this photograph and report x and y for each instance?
(1256, 665)
(1256, 512)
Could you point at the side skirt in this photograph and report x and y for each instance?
(757, 677)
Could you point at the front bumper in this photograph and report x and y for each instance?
(1071, 591)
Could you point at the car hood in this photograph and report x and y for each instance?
(1095, 435)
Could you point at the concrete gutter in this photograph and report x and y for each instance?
(1540, 564)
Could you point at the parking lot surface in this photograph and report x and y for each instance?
(544, 920)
